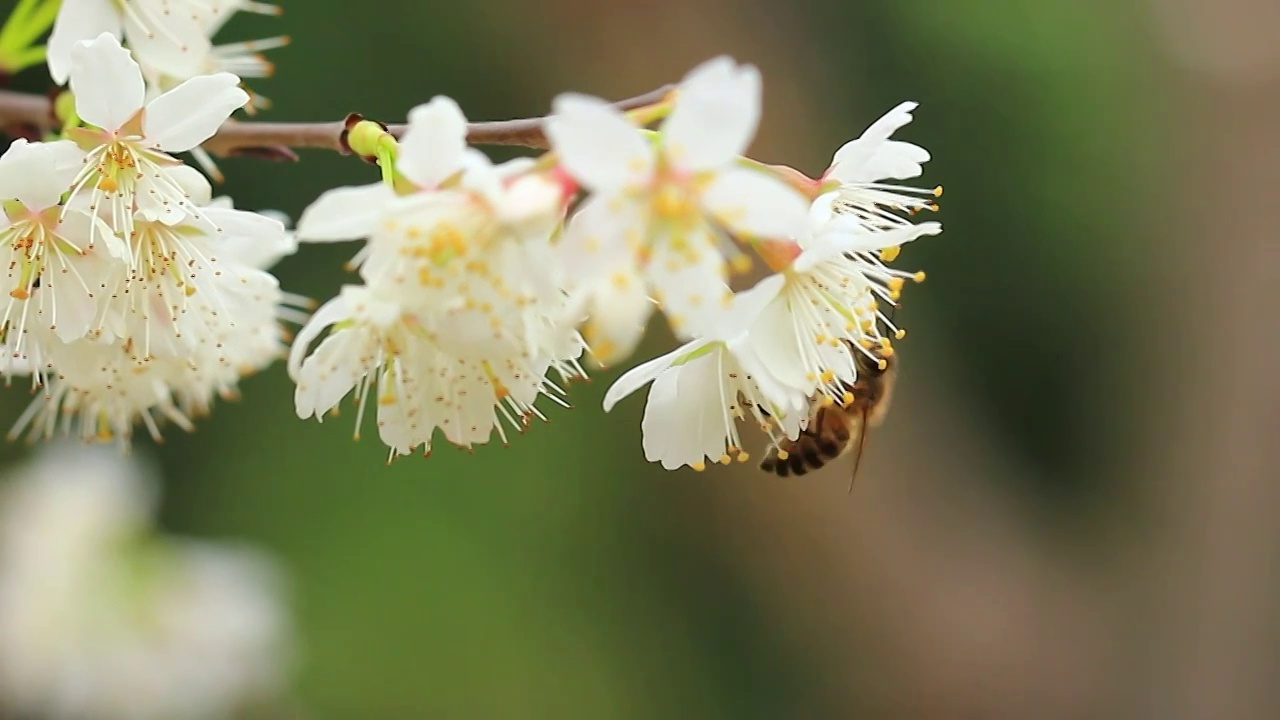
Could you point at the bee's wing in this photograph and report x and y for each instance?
(858, 440)
(880, 408)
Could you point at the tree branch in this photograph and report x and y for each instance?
(24, 111)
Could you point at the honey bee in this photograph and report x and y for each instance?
(837, 428)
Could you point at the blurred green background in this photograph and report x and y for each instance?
(1062, 513)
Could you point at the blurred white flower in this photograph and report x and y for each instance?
(859, 167)
(464, 310)
(658, 221)
(102, 620)
(701, 390)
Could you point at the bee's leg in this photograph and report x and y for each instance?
(770, 462)
(799, 459)
(809, 448)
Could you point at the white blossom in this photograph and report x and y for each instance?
(128, 170)
(51, 272)
(463, 312)
(829, 303)
(662, 209)
(702, 389)
(860, 166)
(100, 619)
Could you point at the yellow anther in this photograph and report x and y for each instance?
(605, 349)
(895, 295)
(885, 344)
(820, 338)
(725, 459)
(899, 334)
(937, 192)
(671, 202)
(883, 364)
(828, 376)
(699, 466)
(918, 277)
(890, 254)
(445, 242)
(828, 400)
(743, 457)
(847, 397)
(783, 454)
(741, 263)
(895, 284)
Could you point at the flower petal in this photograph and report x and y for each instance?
(78, 20)
(77, 225)
(73, 306)
(773, 340)
(644, 373)
(756, 205)
(620, 310)
(192, 112)
(336, 309)
(688, 276)
(873, 156)
(715, 116)
(594, 242)
(845, 233)
(597, 144)
(106, 82)
(344, 213)
(685, 419)
(252, 238)
(178, 43)
(890, 159)
(432, 147)
(665, 427)
(746, 307)
(157, 190)
(37, 174)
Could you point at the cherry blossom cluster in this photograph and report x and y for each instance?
(479, 290)
(477, 278)
(133, 296)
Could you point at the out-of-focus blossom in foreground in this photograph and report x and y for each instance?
(101, 619)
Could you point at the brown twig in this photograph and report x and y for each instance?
(241, 138)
